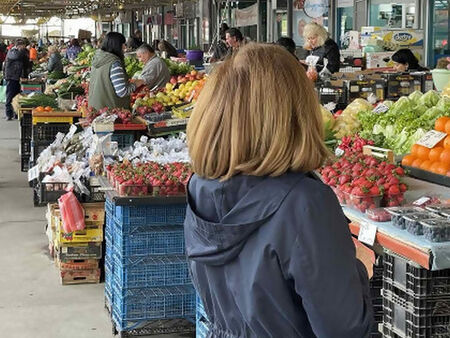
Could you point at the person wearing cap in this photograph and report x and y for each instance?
(17, 66)
(404, 60)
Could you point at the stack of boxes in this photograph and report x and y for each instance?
(77, 254)
(416, 301)
(146, 271)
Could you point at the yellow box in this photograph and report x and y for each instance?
(92, 233)
(52, 119)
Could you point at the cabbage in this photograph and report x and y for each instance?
(415, 96)
(401, 106)
(429, 99)
(444, 105)
(388, 103)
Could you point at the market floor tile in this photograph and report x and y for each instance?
(32, 302)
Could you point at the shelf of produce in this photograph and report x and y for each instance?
(428, 176)
(56, 113)
(434, 256)
(138, 200)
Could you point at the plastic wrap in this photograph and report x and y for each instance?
(72, 214)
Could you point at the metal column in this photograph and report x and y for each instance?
(290, 18)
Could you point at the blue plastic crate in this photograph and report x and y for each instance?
(152, 303)
(109, 207)
(200, 308)
(123, 140)
(202, 328)
(168, 214)
(151, 271)
(145, 241)
(109, 228)
(108, 285)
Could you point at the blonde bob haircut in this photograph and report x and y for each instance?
(259, 115)
(52, 49)
(313, 29)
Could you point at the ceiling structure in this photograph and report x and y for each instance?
(72, 8)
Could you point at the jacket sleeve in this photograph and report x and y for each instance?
(51, 63)
(332, 283)
(150, 76)
(333, 56)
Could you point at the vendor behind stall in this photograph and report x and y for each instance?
(155, 72)
(404, 60)
(319, 44)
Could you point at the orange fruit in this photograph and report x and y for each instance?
(448, 173)
(435, 153)
(440, 123)
(415, 149)
(423, 152)
(445, 156)
(39, 109)
(434, 167)
(48, 108)
(426, 165)
(447, 142)
(447, 127)
(416, 163)
(442, 168)
(408, 159)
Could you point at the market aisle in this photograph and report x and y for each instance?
(32, 302)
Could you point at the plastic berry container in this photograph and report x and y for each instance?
(397, 214)
(436, 230)
(363, 203)
(126, 189)
(342, 196)
(412, 221)
(439, 208)
(378, 215)
(392, 200)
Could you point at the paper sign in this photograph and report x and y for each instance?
(421, 201)
(33, 173)
(72, 131)
(339, 152)
(432, 138)
(367, 233)
(381, 108)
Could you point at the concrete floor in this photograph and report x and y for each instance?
(32, 302)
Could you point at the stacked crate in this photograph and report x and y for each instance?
(146, 271)
(77, 254)
(201, 320)
(416, 301)
(376, 284)
(25, 126)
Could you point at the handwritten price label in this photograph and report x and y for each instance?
(431, 138)
(367, 233)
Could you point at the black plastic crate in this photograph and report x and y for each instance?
(24, 163)
(25, 147)
(37, 149)
(334, 94)
(413, 279)
(48, 192)
(410, 316)
(46, 132)
(25, 132)
(26, 120)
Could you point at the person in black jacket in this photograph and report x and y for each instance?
(405, 60)
(17, 66)
(269, 248)
(319, 44)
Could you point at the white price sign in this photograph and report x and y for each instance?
(33, 173)
(367, 233)
(432, 138)
(339, 152)
(381, 108)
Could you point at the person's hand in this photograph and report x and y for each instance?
(363, 254)
(138, 82)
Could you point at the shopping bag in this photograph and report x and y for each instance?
(2, 94)
(72, 214)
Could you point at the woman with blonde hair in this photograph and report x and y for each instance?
(269, 248)
(318, 43)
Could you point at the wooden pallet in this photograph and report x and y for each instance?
(72, 277)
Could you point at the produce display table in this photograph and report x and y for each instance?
(432, 256)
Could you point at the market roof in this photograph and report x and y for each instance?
(46, 8)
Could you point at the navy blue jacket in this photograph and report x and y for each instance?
(273, 257)
(17, 64)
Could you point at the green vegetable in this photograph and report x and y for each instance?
(56, 75)
(178, 68)
(132, 65)
(430, 98)
(415, 96)
(37, 100)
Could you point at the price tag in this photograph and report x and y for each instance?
(421, 201)
(72, 131)
(381, 108)
(367, 233)
(431, 138)
(33, 173)
(339, 152)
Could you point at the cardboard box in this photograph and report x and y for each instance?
(92, 250)
(376, 60)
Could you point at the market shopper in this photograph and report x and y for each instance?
(16, 67)
(135, 41)
(318, 43)
(33, 52)
(167, 48)
(155, 73)
(288, 44)
(269, 248)
(234, 39)
(74, 49)
(221, 48)
(54, 61)
(405, 60)
(109, 86)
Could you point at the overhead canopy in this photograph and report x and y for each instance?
(69, 8)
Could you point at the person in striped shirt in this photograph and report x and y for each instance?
(110, 86)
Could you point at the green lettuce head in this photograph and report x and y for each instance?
(430, 98)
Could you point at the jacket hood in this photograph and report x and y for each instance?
(221, 216)
(14, 54)
(101, 58)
